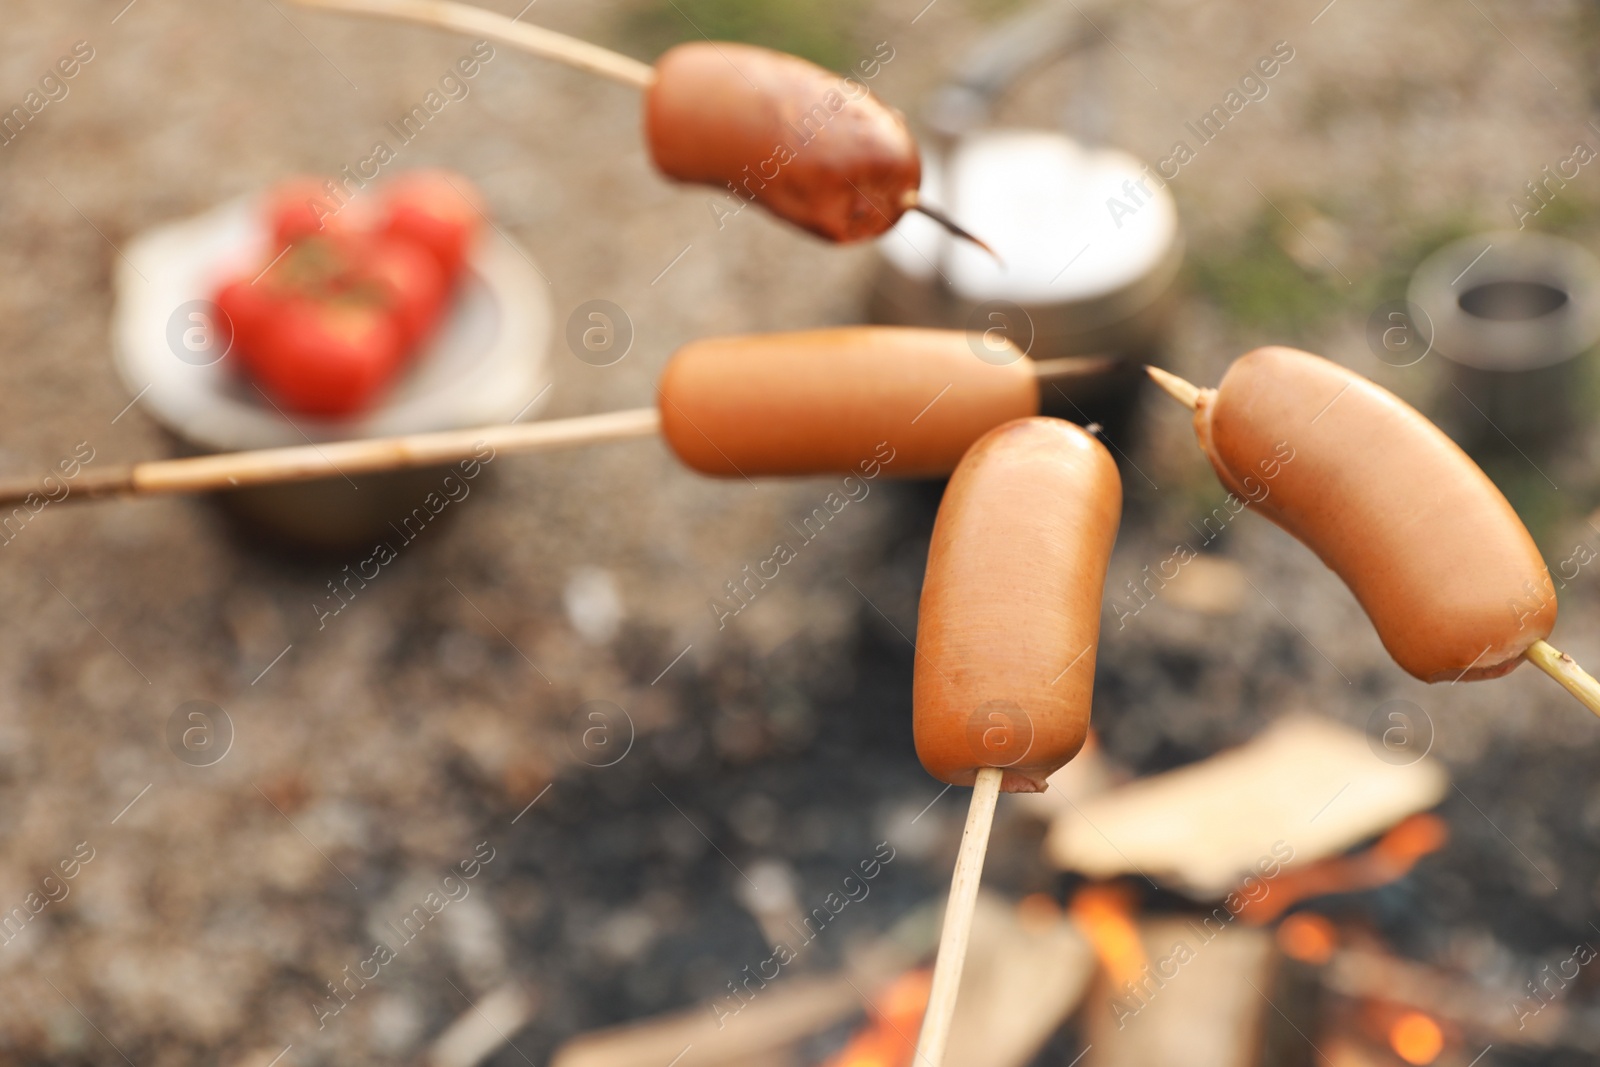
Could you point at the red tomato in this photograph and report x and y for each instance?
(349, 296)
(438, 209)
(301, 207)
(313, 267)
(412, 285)
(328, 358)
(322, 265)
(248, 308)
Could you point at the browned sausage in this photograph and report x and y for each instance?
(813, 148)
(826, 401)
(1432, 550)
(1010, 612)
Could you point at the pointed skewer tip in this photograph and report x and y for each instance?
(1184, 392)
(914, 203)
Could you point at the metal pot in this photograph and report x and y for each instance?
(1074, 276)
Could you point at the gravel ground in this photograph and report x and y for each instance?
(411, 733)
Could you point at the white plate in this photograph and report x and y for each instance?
(485, 364)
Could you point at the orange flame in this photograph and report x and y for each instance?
(1389, 860)
(1308, 937)
(1416, 1038)
(889, 1039)
(1105, 915)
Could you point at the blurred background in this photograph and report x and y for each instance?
(537, 690)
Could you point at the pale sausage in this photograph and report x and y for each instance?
(1009, 620)
(1443, 566)
(813, 148)
(827, 401)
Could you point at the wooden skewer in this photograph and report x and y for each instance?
(463, 18)
(1564, 669)
(1070, 368)
(476, 22)
(237, 470)
(913, 202)
(1557, 664)
(1185, 393)
(958, 919)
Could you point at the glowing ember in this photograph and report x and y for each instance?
(889, 1038)
(1389, 860)
(1308, 937)
(1412, 839)
(1105, 915)
(1416, 1038)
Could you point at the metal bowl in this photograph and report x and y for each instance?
(487, 363)
(1510, 312)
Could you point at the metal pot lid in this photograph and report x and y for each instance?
(1072, 224)
(1508, 301)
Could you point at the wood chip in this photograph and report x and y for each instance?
(786, 1011)
(483, 1029)
(1307, 787)
(1021, 980)
(1024, 975)
(1211, 1012)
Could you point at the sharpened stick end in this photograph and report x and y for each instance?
(1184, 392)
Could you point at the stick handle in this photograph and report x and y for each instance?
(89, 484)
(958, 919)
(236, 470)
(1564, 669)
(475, 21)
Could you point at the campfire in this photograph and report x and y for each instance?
(1105, 914)
(1284, 964)
(894, 1016)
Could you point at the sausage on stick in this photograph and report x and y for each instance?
(812, 402)
(1006, 635)
(1444, 568)
(817, 150)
